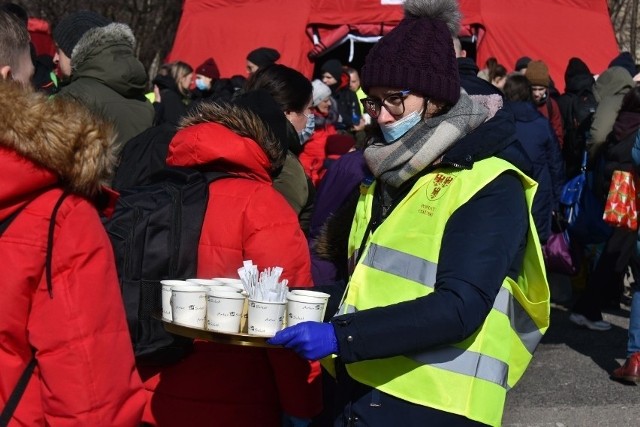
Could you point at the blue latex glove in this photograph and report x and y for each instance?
(311, 340)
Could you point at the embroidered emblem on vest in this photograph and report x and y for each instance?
(438, 186)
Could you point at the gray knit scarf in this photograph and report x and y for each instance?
(397, 162)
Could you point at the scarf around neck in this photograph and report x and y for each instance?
(396, 163)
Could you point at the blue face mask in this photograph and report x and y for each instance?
(200, 84)
(309, 128)
(393, 131)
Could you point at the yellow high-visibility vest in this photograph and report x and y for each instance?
(400, 262)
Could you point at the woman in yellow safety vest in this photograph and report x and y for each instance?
(447, 296)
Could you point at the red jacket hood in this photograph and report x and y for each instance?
(212, 146)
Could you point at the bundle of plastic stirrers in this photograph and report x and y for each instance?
(264, 287)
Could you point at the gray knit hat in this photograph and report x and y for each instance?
(418, 54)
(320, 92)
(72, 27)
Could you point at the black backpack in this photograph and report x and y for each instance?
(577, 116)
(155, 230)
(143, 156)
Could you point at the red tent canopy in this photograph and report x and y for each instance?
(228, 30)
(302, 30)
(550, 30)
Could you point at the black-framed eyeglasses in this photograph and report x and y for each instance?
(393, 103)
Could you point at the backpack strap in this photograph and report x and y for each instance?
(52, 224)
(211, 176)
(16, 394)
(18, 391)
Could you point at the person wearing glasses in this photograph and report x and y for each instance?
(447, 297)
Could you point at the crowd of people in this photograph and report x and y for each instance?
(369, 184)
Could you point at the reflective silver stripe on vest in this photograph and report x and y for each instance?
(465, 362)
(521, 322)
(424, 272)
(401, 264)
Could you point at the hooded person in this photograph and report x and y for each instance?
(420, 336)
(54, 156)
(260, 58)
(245, 218)
(577, 105)
(625, 60)
(97, 57)
(609, 90)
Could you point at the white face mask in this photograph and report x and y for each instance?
(393, 131)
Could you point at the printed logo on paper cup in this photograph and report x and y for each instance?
(229, 314)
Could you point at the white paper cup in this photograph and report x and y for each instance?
(238, 286)
(167, 285)
(265, 318)
(214, 285)
(310, 293)
(224, 311)
(166, 302)
(175, 282)
(228, 280)
(302, 308)
(189, 305)
(204, 282)
(225, 288)
(314, 294)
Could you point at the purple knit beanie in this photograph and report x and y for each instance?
(418, 54)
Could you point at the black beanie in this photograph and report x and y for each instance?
(625, 60)
(263, 56)
(72, 27)
(521, 63)
(418, 54)
(264, 106)
(333, 67)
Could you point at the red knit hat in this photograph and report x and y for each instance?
(209, 69)
(418, 54)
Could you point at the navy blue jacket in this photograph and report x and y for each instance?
(483, 242)
(539, 141)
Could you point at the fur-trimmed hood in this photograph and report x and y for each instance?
(226, 137)
(107, 55)
(114, 33)
(59, 135)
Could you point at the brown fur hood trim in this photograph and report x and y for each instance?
(241, 121)
(58, 134)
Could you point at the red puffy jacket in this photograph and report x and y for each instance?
(85, 373)
(246, 219)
